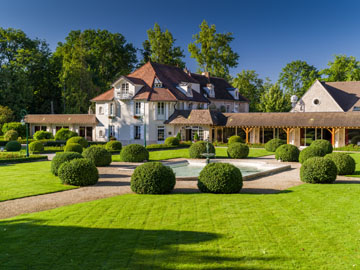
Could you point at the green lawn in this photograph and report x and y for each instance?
(184, 153)
(28, 179)
(306, 227)
(356, 157)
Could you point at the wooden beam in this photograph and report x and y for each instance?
(247, 131)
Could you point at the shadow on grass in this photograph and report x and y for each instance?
(29, 244)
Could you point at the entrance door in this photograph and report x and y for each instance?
(188, 135)
(89, 131)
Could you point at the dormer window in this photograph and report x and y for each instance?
(236, 94)
(157, 83)
(125, 88)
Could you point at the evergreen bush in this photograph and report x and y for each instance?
(78, 139)
(62, 157)
(134, 153)
(324, 144)
(234, 139)
(318, 170)
(345, 164)
(64, 134)
(273, 144)
(17, 126)
(309, 152)
(113, 146)
(42, 135)
(287, 153)
(98, 155)
(78, 172)
(173, 141)
(36, 146)
(13, 146)
(238, 150)
(11, 135)
(197, 149)
(73, 147)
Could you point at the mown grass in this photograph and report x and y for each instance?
(28, 179)
(356, 157)
(307, 227)
(184, 153)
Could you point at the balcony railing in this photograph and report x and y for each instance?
(120, 95)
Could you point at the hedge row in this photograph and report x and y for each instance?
(23, 159)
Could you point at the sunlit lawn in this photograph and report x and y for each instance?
(27, 179)
(356, 157)
(307, 227)
(184, 153)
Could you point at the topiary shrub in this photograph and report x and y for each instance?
(153, 178)
(13, 146)
(64, 134)
(220, 178)
(62, 157)
(234, 139)
(17, 126)
(73, 147)
(11, 135)
(287, 152)
(318, 170)
(178, 136)
(238, 150)
(324, 144)
(36, 147)
(134, 153)
(80, 140)
(196, 137)
(197, 149)
(78, 172)
(309, 152)
(43, 135)
(273, 144)
(98, 155)
(173, 141)
(113, 146)
(345, 164)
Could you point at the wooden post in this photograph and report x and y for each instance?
(332, 131)
(247, 131)
(236, 131)
(287, 131)
(315, 134)
(222, 135)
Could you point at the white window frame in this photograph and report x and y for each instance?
(161, 108)
(111, 108)
(101, 110)
(137, 108)
(125, 88)
(137, 132)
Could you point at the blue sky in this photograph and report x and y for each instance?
(268, 34)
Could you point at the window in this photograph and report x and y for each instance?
(112, 131)
(227, 108)
(356, 109)
(101, 134)
(38, 128)
(161, 108)
(157, 83)
(236, 95)
(137, 133)
(137, 108)
(101, 110)
(125, 88)
(190, 106)
(111, 108)
(316, 101)
(161, 133)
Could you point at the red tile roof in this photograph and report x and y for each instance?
(106, 96)
(66, 119)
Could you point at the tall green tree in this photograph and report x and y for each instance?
(342, 68)
(250, 86)
(273, 99)
(213, 52)
(27, 77)
(297, 77)
(159, 48)
(89, 62)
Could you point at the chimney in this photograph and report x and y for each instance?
(206, 74)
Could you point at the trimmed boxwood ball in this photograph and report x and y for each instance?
(324, 144)
(345, 164)
(73, 147)
(64, 134)
(318, 170)
(312, 151)
(79, 172)
(273, 144)
(98, 155)
(234, 139)
(13, 146)
(62, 157)
(220, 178)
(11, 135)
(153, 178)
(173, 141)
(134, 153)
(197, 149)
(80, 140)
(42, 135)
(113, 146)
(287, 152)
(238, 150)
(36, 147)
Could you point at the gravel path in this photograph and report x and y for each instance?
(115, 181)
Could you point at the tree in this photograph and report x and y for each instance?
(89, 62)
(250, 86)
(27, 79)
(273, 99)
(343, 68)
(6, 115)
(297, 77)
(160, 48)
(212, 51)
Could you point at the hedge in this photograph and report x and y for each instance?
(64, 134)
(78, 139)
(238, 150)
(113, 146)
(73, 147)
(234, 139)
(309, 152)
(36, 147)
(197, 149)
(78, 172)
(60, 158)
(173, 141)
(43, 135)
(273, 144)
(11, 135)
(220, 178)
(23, 159)
(345, 164)
(98, 155)
(13, 146)
(318, 170)
(152, 178)
(324, 144)
(287, 153)
(17, 126)
(134, 153)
